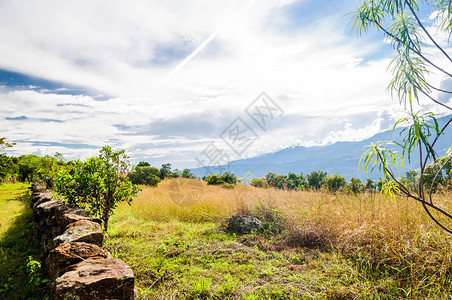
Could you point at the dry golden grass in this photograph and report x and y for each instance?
(345, 212)
(394, 240)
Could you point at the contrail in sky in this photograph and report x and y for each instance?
(207, 41)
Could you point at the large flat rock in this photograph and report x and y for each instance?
(71, 253)
(96, 279)
(81, 231)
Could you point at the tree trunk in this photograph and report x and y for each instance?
(106, 216)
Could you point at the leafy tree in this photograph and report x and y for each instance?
(176, 173)
(293, 181)
(186, 173)
(315, 179)
(165, 171)
(355, 186)
(334, 182)
(145, 175)
(8, 166)
(4, 144)
(28, 167)
(259, 182)
(98, 184)
(143, 164)
(370, 185)
(229, 178)
(214, 179)
(276, 181)
(402, 25)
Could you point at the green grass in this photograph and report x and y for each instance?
(16, 245)
(370, 248)
(180, 260)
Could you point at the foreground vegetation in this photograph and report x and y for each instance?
(315, 245)
(20, 271)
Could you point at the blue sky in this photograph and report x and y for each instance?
(164, 79)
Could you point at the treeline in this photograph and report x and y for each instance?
(144, 173)
(434, 178)
(29, 168)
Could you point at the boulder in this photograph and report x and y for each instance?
(66, 215)
(243, 224)
(46, 210)
(95, 278)
(81, 231)
(67, 254)
(40, 198)
(38, 186)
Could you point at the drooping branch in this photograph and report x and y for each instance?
(411, 48)
(436, 176)
(438, 89)
(437, 137)
(425, 30)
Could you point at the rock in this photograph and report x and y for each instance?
(243, 224)
(81, 231)
(67, 254)
(67, 218)
(95, 279)
(38, 186)
(40, 198)
(46, 210)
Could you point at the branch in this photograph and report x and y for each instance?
(436, 175)
(411, 48)
(437, 89)
(434, 100)
(437, 137)
(425, 30)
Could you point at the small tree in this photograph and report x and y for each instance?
(99, 183)
(4, 144)
(165, 171)
(145, 175)
(186, 173)
(334, 182)
(315, 179)
(143, 164)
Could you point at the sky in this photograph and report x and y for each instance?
(169, 80)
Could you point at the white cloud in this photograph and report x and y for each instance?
(126, 50)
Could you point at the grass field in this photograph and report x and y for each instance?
(17, 246)
(331, 246)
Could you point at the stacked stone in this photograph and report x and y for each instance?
(71, 241)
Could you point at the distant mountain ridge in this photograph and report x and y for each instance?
(340, 157)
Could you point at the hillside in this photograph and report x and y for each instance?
(341, 157)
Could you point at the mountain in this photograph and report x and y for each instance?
(341, 157)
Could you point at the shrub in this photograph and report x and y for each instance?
(98, 184)
(217, 179)
(259, 182)
(273, 220)
(229, 178)
(145, 175)
(334, 182)
(214, 179)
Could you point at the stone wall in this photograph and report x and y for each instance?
(71, 242)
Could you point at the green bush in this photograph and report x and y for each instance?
(145, 175)
(259, 182)
(272, 218)
(98, 184)
(217, 179)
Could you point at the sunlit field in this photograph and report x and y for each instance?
(331, 246)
